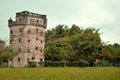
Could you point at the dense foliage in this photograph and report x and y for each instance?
(73, 46)
(6, 53)
(75, 43)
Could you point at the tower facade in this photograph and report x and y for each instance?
(28, 37)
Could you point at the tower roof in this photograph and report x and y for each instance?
(27, 13)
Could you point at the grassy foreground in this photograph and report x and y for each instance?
(104, 73)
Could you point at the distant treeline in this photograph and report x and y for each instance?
(76, 44)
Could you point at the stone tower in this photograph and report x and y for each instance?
(28, 37)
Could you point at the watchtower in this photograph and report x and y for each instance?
(28, 37)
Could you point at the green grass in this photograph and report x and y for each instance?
(97, 73)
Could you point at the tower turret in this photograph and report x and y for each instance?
(10, 22)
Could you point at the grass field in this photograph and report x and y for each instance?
(102, 73)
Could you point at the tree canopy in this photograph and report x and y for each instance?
(75, 43)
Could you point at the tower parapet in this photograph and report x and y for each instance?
(28, 18)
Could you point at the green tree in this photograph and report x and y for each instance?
(7, 53)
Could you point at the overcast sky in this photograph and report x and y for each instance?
(103, 14)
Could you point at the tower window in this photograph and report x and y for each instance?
(20, 20)
(41, 59)
(36, 48)
(18, 59)
(10, 41)
(41, 50)
(28, 50)
(41, 41)
(19, 40)
(28, 59)
(11, 32)
(10, 59)
(19, 49)
(37, 22)
(37, 30)
(37, 39)
(29, 40)
(33, 58)
(28, 31)
(20, 30)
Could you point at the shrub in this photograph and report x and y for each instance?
(105, 63)
(83, 63)
(55, 63)
(32, 64)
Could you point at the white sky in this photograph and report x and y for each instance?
(103, 14)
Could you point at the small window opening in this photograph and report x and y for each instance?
(37, 30)
(10, 59)
(36, 48)
(19, 40)
(37, 22)
(29, 40)
(19, 19)
(33, 58)
(19, 49)
(10, 41)
(41, 59)
(41, 50)
(20, 30)
(41, 41)
(18, 59)
(37, 39)
(28, 31)
(11, 32)
(28, 59)
(28, 50)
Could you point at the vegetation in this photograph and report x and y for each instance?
(75, 44)
(6, 53)
(96, 73)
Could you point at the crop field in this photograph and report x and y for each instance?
(67, 73)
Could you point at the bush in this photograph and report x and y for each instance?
(80, 63)
(73, 63)
(31, 64)
(105, 63)
(83, 63)
(48, 63)
(55, 63)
